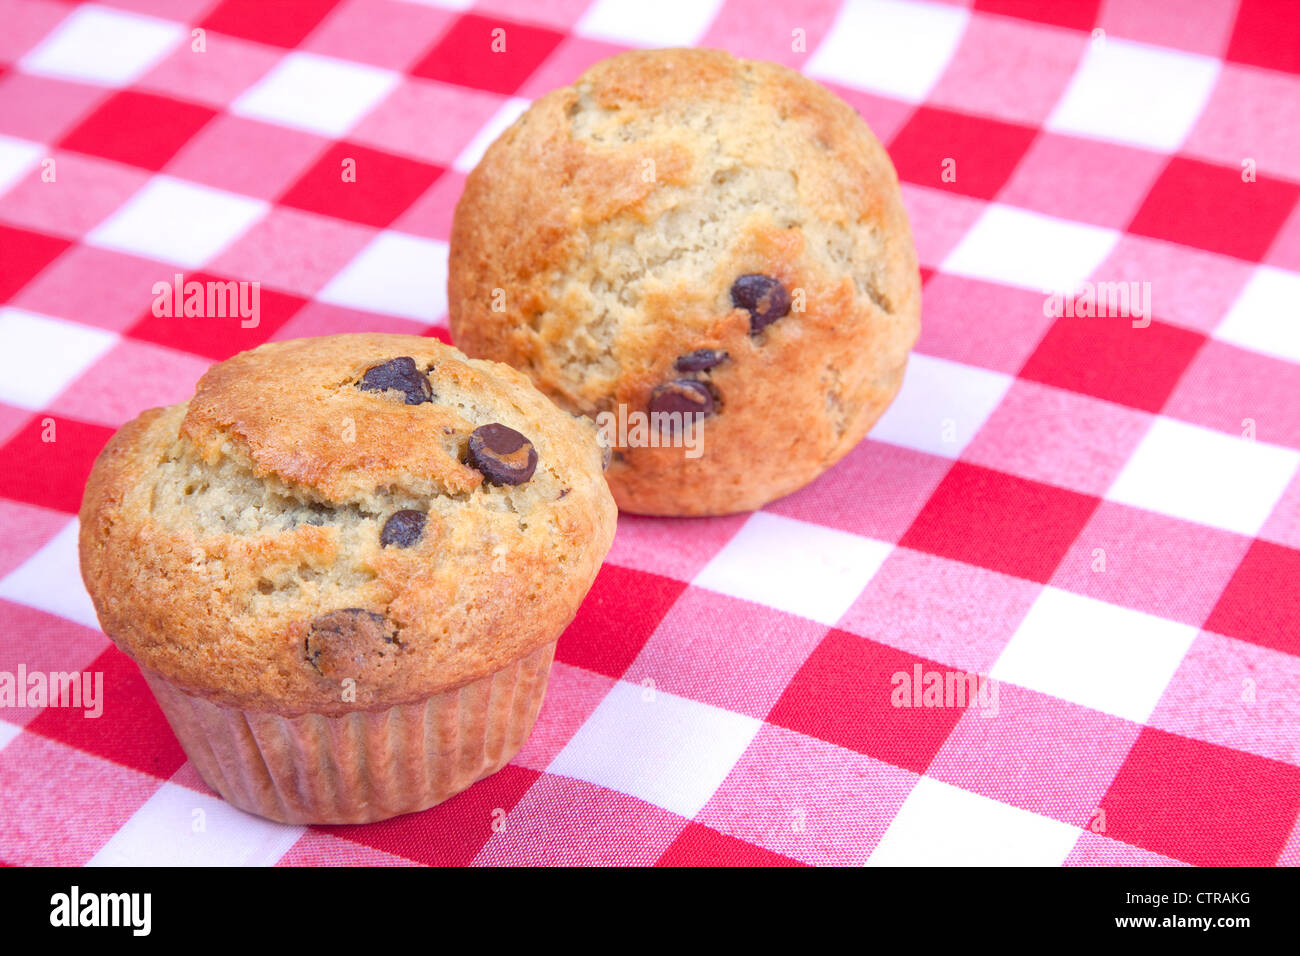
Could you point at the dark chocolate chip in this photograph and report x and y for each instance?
(700, 360)
(504, 456)
(343, 643)
(765, 299)
(683, 396)
(403, 528)
(399, 374)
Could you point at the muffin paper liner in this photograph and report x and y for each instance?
(361, 766)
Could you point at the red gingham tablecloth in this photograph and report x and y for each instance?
(1099, 517)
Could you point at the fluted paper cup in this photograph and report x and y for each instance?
(361, 766)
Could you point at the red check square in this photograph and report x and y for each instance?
(997, 521)
(51, 474)
(284, 23)
(132, 730)
(1210, 207)
(24, 254)
(488, 53)
(452, 833)
(1194, 801)
(618, 616)
(1261, 603)
(441, 333)
(1077, 14)
(1109, 358)
(215, 336)
(1260, 36)
(967, 154)
(139, 129)
(363, 185)
(845, 694)
(698, 845)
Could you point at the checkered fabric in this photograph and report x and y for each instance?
(1100, 515)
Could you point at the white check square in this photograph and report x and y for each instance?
(8, 732)
(181, 827)
(50, 580)
(17, 156)
(316, 93)
(942, 825)
(1136, 94)
(396, 274)
(98, 45)
(660, 24)
(507, 113)
(661, 748)
(1112, 659)
(1205, 476)
(941, 406)
(1020, 248)
(178, 222)
(1266, 316)
(794, 566)
(890, 47)
(43, 356)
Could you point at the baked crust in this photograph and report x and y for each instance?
(599, 237)
(232, 544)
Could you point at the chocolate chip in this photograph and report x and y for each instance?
(682, 396)
(343, 643)
(700, 360)
(403, 528)
(764, 297)
(399, 374)
(504, 456)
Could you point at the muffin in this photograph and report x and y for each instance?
(342, 567)
(684, 232)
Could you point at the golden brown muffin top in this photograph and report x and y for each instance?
(344, 523)
(640, 216)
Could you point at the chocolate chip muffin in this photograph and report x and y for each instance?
(342, 567)
(687, 238)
